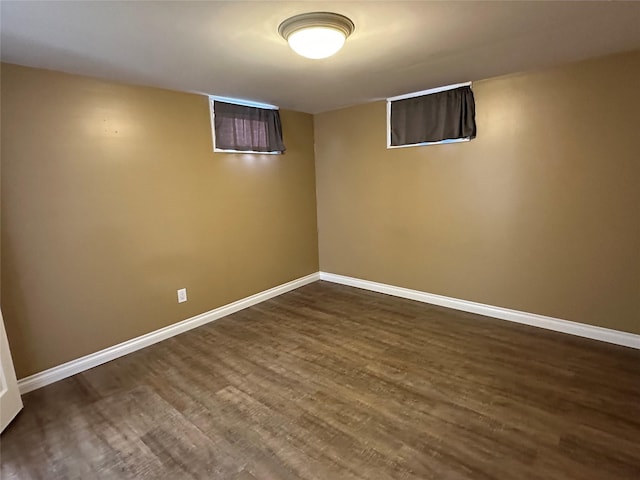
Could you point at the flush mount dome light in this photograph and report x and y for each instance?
(316, 35)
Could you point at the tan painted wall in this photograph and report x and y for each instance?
(112, 199)
(540, 213)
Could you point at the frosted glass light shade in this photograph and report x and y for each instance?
(316, 42)
(316, 35)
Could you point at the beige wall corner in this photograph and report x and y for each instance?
(540, 213)
(112, 199)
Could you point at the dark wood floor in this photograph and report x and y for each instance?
(331, 382)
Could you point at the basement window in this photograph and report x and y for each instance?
(245, 127)
(431, 117)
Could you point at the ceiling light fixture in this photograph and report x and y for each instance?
(317, 34)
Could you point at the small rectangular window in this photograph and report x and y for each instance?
(241, 128)
(439, 115)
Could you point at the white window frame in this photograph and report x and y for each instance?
(236, 101)
(420, 94)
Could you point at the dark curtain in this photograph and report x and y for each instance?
(431, 118)
(239, 127)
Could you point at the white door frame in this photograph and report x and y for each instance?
(10, 401)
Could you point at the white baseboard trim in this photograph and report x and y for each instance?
(81, 364)
(565, 326)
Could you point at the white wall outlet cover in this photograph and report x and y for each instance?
(182, 295)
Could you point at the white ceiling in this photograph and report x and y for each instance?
(233, 48)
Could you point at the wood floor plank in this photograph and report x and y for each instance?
(332, 382)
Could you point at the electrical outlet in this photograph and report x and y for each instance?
(182, 295)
